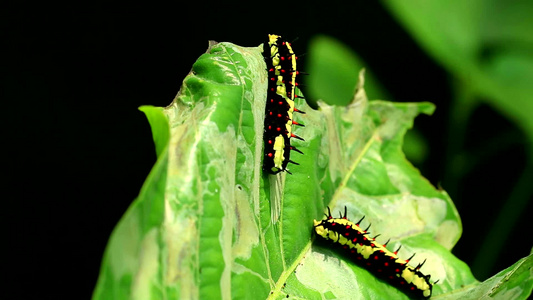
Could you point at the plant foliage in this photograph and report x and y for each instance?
(209, 224)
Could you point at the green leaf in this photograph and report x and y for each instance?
(209, 224)
(334, 68)
(159, 124)
(486, 44)
(515, 282)
(132, 260)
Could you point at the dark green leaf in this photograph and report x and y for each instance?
(334, 68)
(485, 44)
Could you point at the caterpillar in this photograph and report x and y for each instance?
(365, 251)
(282, 81)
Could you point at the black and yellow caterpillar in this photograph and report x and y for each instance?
(282, 81)
(365, 251)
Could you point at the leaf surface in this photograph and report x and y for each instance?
(209, 224)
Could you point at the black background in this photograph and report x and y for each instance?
(78, 150)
